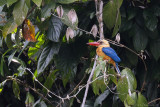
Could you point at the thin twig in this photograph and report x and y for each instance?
(154, 100)
(89, 80)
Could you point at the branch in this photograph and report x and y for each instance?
(89, 80)
(154, 100)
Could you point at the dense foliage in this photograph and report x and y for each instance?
(39, 61)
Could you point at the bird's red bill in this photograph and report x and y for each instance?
(93, 43)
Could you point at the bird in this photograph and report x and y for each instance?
(107, 53)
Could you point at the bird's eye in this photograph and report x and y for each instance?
(100, 42)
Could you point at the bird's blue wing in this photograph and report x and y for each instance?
(111, 53)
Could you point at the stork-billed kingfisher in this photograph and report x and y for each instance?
(107, 53)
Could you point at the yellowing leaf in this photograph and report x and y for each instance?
(28, 31)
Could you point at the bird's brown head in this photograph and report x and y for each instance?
(103, 43)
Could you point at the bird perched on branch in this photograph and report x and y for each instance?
(107, 53)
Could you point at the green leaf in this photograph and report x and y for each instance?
(10, 2)
(9, 42)
(132, 58)
(150, 19)
(46, 10)
(11, 57)
(37, 2)
(29, 100)
(9, 27)
(20, 11)
(110, 14)
(154, 47)
(131, 13)
(16, 89)
(101, 98)
(113, 75)
(66, 1)
(1, 85)
(2, 2)
(46, 56)
(99, 83)
(140, 38)
(1, 69)
(122, 88)
(49, 81)
(117, 25)
(141, 101)
(130, 101)
(132, 83)
(54, 30)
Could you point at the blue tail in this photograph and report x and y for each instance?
(117, 68)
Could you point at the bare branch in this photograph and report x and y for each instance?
(89, 80)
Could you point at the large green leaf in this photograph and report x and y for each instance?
(140, 38)
(10, 2)
(16, 89)
(37, 2)
(20, 11)
(141, 101)
(46, 10)
(111, 16)
(2, 2)
(66, 1)
(46, 56)
(101, 98)
(54, 30)
(49, 81)
(9, 27)
(99, 83)
(122, 88)
(132, 83)
(155, 48)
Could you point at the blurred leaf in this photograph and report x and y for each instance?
(29, 100)
(2, 2)
(99, 83)
(154, 47)
(2, 84)
(9, 27)
(46, 56)
(21, 70)
(1, 65)
(9, 42)
(113, 75)
(24, 46)
(132, 83)
(66, 1)
(140, 38)
(117, 25)
(20, 11)
(101, 98)
(132, 58)
(28, 31)
(46, 10)
(54, 30)
(10, 2)
(131, 13)
(122, 88)
(110, 13)
(49, 81)
(130, 101)
(141, 101)
(16, 89)
(150, 20)
(11, 57)
(110, 16)
(37, 2)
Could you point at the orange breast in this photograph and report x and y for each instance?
(104, 56)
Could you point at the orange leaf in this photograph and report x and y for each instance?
(28, 31)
